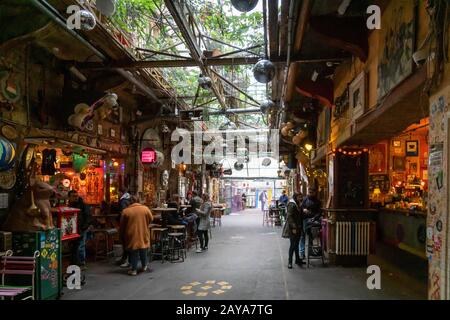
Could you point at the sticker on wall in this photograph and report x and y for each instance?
(430, 233)
(440, 179)
(439, 225)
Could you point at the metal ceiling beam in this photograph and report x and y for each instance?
(193, 42)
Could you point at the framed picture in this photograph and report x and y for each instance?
(399, 164)
(99, 129)
(413, 168)
(412, 148)
(398, 151)
(357, 96)
(396, 143)
(378, 159)
(112, 133)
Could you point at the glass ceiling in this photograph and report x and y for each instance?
(153, 29)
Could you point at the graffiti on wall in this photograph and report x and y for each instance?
(396, 61)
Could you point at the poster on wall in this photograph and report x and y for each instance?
(378, 159)
(358, 96)
(396, 45)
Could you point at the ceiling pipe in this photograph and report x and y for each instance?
(50, 12)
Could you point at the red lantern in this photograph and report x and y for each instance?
(148, 156)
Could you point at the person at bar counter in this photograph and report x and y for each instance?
(173, 217)
(312, 210)
(204, 224)
(124, 202)
(135, 234)
(84, 224)
(284, 199)
(293, 228)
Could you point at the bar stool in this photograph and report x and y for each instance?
(179, 229)
(191, 236)
(177, 246)
(103, 243)
(160, 243)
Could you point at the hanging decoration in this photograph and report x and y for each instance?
(238, 166)
(204, 82)
(106, 7)
(264, 71)
(7, 154)
(9, 88)
(350, 152)
(244, 5)
(87, 20)
(267, 106)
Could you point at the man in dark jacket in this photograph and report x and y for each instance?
(312, 210)
(84, 222)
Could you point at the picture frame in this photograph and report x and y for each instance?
(358, 96)
(397, 143)
(412, 148)
(399, 164)
(99, 129)
(112, 133)
(378, 159)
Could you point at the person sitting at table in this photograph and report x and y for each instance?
(204, 224)
(173, 218)
(284, 199)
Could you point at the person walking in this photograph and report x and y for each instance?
(84, 224)
(311, 208)
(135, 233)
(244, 201)
(293, 229)
(263, 199)
(204, 224)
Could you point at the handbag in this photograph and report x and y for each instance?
(285, 233)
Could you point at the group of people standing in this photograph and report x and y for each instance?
(301, 213)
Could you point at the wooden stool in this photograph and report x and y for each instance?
(103, 242)
(160, 241)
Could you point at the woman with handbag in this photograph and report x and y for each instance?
(293, 228)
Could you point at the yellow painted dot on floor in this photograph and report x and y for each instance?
(195, 283)
(202, 294)
(210, 282)
(222, 283)
(186, 288)
(188, 292)
(226, 287)
(206, 287)
(218, 292)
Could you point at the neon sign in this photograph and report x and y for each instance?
(148, 156)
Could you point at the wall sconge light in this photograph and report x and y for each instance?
(308, 147)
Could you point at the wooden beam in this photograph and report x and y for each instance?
(283, 28)
(273, 29)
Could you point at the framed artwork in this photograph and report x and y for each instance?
(413, 168)
(396, 143)
(397, 48)
(99, 129)
(398, 151)
(112, 133)
(357, 96)
(378, 159)
(412, 148)
(399, 164)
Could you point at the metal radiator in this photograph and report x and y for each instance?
(353, 238)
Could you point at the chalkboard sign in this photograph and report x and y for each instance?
(381, 181)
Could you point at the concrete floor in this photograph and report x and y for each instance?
(245, 261)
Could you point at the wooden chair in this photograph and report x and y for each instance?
(104, 243)
(15, 265)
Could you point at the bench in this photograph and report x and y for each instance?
(17, 265)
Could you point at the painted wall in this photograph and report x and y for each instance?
(348, 71)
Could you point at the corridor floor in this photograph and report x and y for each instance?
(245, 261)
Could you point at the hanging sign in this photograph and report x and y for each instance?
(148, 156)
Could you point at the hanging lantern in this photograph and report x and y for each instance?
(87, 20)
(106, 7)
(267, 105)
(204, 82)
(238, 166)
(264, 71)
(244, 5)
